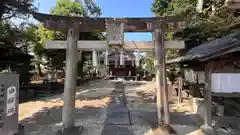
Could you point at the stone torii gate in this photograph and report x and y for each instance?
(115, 29)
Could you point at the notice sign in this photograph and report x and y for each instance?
(115, 32)
(11, 101)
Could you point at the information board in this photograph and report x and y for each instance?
(11, 101)
(9, 87)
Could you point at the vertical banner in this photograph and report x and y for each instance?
(94, 58)
(106, 57)
(137, 59)
(199, 7)
(116, 60)
(122, 60)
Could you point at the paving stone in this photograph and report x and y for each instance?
(117, 108)
(181, 119)
(142, 130)
(184, 129)
(117, 130)
(144, 118)
(118, 118)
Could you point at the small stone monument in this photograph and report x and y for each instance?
(9, 91)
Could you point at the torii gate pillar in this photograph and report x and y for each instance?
(71, 78)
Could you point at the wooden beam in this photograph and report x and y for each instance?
(160, 111)
(102, 45)
(180, 89)
(63, 23)
(227, 95)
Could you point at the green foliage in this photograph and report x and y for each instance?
(68, 8)
(15, 8)
(91, 8)
(4, 71)
(201, 27)
(38, 35)
(213, 22)
(148, 61)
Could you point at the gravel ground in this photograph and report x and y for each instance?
(43, 117)
(143, 111)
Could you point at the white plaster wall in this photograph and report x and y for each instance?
(226, 82)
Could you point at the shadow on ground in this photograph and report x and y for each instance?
(48, 120)
(90, 111)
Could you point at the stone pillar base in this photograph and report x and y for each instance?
(166, 130)
(21, 130)
(208, 130)
(76, 130)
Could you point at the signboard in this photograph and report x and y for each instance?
(115, 32)
(171, 26)
(11, 101)
(9, 87)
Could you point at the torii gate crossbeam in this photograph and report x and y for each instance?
(142, 46)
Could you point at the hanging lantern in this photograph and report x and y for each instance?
(94, 58)
(122, 60)
(137, 59)
(106, 57)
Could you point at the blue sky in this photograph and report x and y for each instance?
(115, 8)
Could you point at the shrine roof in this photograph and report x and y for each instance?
(89, 24)
(212, 49)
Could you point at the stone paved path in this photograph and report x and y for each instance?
(118, 119)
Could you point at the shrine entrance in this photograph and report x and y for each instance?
(114, 29)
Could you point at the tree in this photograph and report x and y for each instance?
(65, 8)
(213, 22)
(15, 8)
(210, 24)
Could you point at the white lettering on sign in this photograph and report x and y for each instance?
(11, 101)
(168, 26)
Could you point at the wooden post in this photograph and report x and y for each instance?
(208, 97)
(80, 56)
(71, 78)
(164, 87)
(158, 78)
(180, 88)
